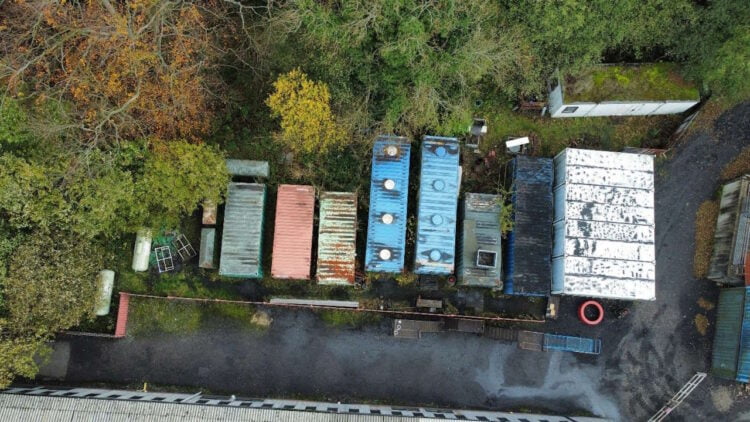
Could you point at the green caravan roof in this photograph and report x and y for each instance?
(242, 236)
(643, 82)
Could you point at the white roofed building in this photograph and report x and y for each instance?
(604, 225)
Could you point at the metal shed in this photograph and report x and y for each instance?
(529, 247)
(731, 349)
(732, 237)
(142, 250)
(206, 256)
(436, 212)
(105, 281)
(251, 168)
(479, 245)
(293, 232)
(604, 225)
(389, 192)
(242, 236)
(337, 235)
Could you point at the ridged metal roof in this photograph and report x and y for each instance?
(529, 247)
(242, 236)
(389, 192)
(726, 346)
(438, 200)
(247, 168)
(292, 236)
(604, 225)
(337, 236)
(480, 231)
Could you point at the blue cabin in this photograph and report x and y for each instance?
(389, 192)
(438, 201)
(529, 248)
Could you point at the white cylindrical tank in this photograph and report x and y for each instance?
(104, 284)
(142, 250)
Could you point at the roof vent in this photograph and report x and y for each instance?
(486, 259)
(438, 185)
(385, 254)
(387, 218)
(436, 219)
(435, 255)
(389, 184)
(391, 150)
(440, 151)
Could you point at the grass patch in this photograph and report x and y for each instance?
(554, 135)
(705, 226)
(701, 324)
(352, 319)
(150, 317)
(737, 167)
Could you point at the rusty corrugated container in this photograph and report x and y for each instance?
(292, 239)
(337, 235)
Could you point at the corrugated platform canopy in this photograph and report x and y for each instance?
(337, 235)
(604, 225)
(731, 350)
(732, 236)
(438, 200)
(242, 236)
(480, 252)
(529, 247)
(292, 236)
(389, 192)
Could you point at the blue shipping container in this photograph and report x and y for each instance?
(389, 192)
(731, 349)
(585, 345)
(529, 248)
(438, 202)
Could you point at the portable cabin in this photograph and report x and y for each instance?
(337, 235)
(732, 236)
(389, 192)
(731, 349)
(479, 244)
(105, 282)
(529, 246)
(604, 225)
(438, 202)
(142, 250)
(208, 240)
(242, 236)
(621, 90)
(293, 232)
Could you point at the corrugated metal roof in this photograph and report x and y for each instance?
(76, 405)
(292, 236)
(242, 235)
(743, 358)
(733, 195)
(604, 225)
(527, 267)
(480, 231)
(247, 168)
(438, 200)
(389, 192)
(729, 315)
(337, 236)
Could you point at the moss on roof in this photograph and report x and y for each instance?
(647, 82)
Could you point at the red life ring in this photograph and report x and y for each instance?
(582, 312)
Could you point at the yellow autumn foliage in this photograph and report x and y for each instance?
(304, 107)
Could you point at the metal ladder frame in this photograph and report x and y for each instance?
(679, 397)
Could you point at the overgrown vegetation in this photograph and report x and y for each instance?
(347, 318)
(705, 227)
(737, 167)
(117, 115)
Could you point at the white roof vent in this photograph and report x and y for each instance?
(389, 184)
(387, 218)
(385, 254)
(391, 150)
(438, 185)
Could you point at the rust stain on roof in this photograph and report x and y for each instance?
(292, 239)
(337, 236)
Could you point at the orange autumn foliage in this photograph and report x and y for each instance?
(130, 68)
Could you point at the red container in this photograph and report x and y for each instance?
(293, 232)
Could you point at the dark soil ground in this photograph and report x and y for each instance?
(649, 349)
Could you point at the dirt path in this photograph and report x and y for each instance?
(647, 355)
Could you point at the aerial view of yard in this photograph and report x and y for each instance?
(477, 210)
